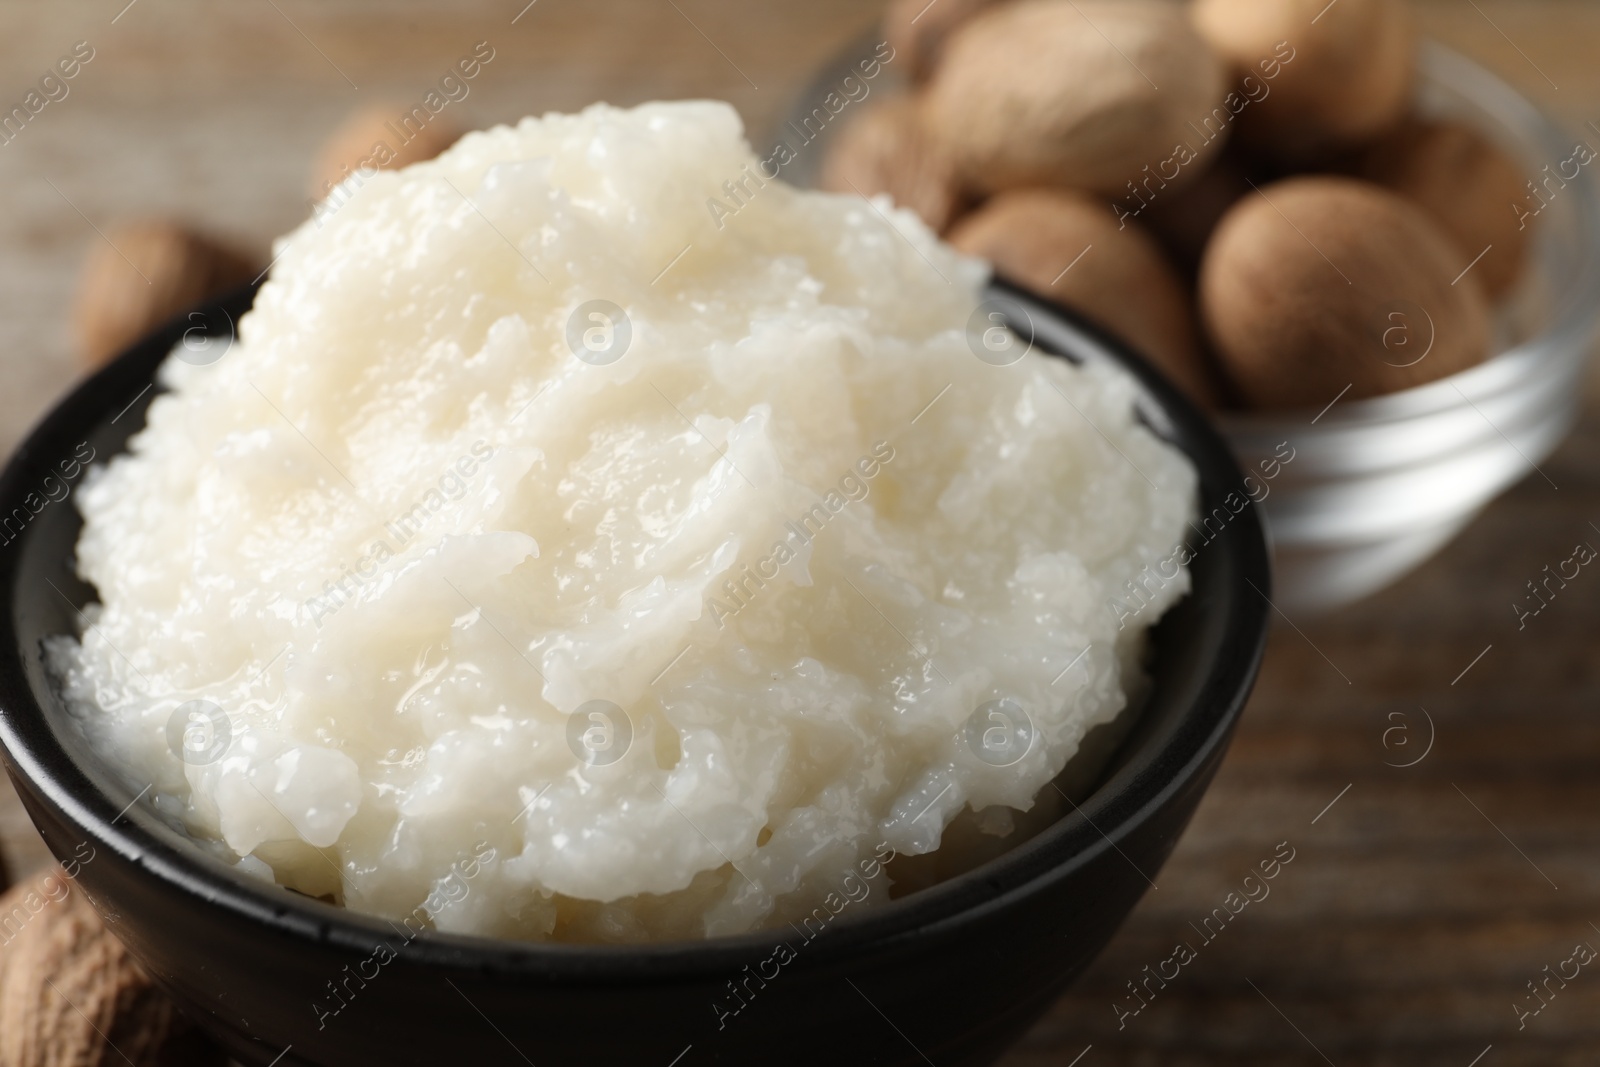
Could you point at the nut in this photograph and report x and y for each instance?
(1324, 74)
(1037, 92)
(1323, 283)
(1069, 247)
(1466, 184)
(71, 996)
(918, 29)
(143, 275)
(886, 149)
(378, 137)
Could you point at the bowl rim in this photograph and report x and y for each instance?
(46, 772)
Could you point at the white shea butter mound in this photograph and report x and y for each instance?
(673, 640)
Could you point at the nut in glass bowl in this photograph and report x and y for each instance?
(1377, 485)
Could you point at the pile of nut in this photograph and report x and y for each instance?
(1239, 189)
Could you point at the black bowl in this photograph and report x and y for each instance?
(950, 975)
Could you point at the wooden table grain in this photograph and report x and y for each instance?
(1422, 901)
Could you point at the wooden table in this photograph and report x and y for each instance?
(1421, 900)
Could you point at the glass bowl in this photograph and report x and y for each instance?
(1379, 485)
(1376, 486)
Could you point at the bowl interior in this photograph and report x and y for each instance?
(1203, 657)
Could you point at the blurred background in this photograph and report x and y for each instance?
(1423, 900)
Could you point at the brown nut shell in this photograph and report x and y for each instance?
(142, 275)
(1467, 184)
(918, 29)
(71, 996)
(1319, 287)
(1069, 247)
(1081, 95)
(886, 149)
(1320, 75)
